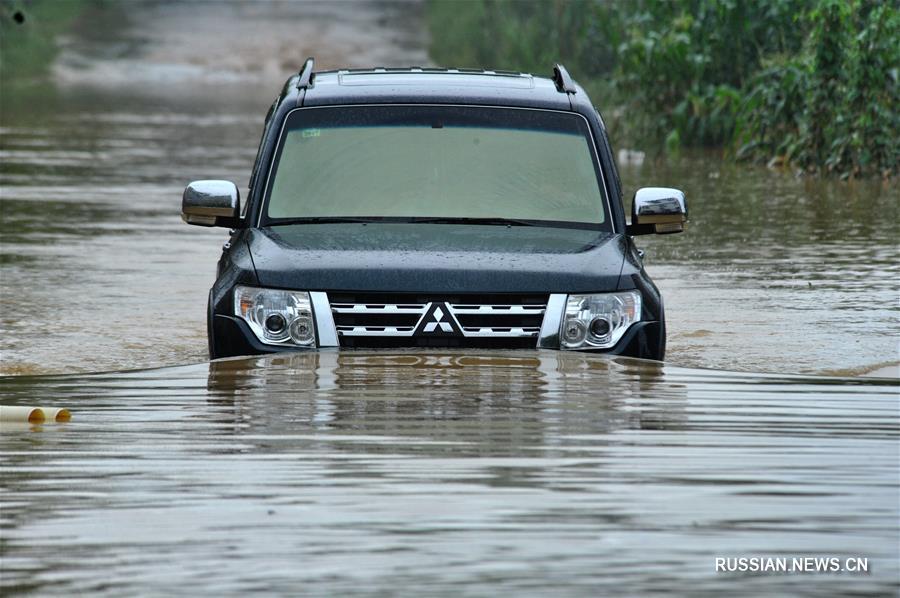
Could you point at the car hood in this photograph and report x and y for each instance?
(436, 258)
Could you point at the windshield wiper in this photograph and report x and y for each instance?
(411, 219)
(324, 220)
(465, 220)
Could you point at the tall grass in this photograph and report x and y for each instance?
(812, 84)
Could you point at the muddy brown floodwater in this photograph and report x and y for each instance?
(774, 274)
(474, 473)
(484, 473)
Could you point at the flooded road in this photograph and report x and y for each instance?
(98, 271)
(774, 273)
(473, 473)
(372, 473)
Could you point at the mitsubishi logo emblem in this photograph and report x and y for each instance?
(438, 320)
(438, 315)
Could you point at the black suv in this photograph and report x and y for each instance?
(426, 207)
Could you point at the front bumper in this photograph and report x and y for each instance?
(231, 337)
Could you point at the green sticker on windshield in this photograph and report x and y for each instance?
(306, 133)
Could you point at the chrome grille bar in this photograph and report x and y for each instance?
(500, 332)
(370, 308)
(467, 308)
(375, 330)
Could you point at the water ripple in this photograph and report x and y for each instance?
(476, 473)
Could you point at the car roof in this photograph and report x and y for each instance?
(437, 85)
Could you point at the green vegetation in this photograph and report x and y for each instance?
(28, 35)
(834, 105)
(811, 84)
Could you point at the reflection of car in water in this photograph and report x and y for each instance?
(453, 394)
(433, 208)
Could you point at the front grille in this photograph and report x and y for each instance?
(398, 320)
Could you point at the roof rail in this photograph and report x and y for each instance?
(306, 73)
(562, 79)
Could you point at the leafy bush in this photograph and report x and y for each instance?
(811, 83)
(683, 63)
(834, 106)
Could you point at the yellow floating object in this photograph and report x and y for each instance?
(33, 415)
(53, 414)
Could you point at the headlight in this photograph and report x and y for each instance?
(598, 321)
(276, 317)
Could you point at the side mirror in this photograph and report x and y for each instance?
(659, 210)
(211, 203)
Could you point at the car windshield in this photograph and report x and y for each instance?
(441, 163)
